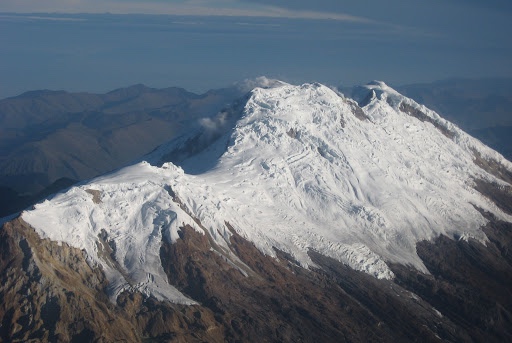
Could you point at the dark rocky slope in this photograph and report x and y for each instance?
(49, 293)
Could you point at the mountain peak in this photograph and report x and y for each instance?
(297, 169)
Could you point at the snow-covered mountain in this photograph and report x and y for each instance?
(295, 199)
(303, 168)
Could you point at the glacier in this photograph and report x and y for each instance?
(293, 168)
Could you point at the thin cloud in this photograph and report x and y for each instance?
(191, 7)
(273, 11)
(33, 17)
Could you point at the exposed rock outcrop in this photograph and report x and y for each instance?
(49, 293)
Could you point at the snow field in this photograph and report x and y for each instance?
(299, 171)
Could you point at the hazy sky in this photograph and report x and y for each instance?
(392, 9)
(202, 44)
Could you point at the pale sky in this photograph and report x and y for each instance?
(319, 9)
(216, 42)
(176, 7)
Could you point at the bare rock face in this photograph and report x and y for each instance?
(49, 293)
(286, 303)
(469, 282)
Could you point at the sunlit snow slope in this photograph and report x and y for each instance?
(303, 168)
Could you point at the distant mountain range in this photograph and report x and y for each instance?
(481, 107)
(471, 104)
(51, 139)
